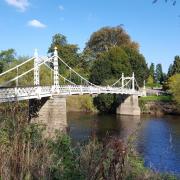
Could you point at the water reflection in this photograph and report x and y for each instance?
(158, 140)
(159, 143)
(83, 125)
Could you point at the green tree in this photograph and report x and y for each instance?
(152, 71)
(176, 65)
(67, 52)
(110, 65)
(170, 70)
(138, 65)
(1, 67)
(105, 71)
(150, 81)
(108, 37)
(6, 58)
(106, 103)
(174, 87)
(159, 74)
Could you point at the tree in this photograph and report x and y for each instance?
(105, 71)
(159, 74)
(138, 65)
(176, 65)
(174, 87)
(152, 71)
(68, 52)
(150, 81)
(106, 103)
(170, 71)
(110, 65)
(108, 37)
(1, 67)
(6, 58)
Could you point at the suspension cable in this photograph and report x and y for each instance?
(26, 72)
(116, 82)
(61, 75)
(77, 73)
(16, 66)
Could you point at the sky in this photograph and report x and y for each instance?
(29, 24)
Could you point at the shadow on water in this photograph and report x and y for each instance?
(84, 125)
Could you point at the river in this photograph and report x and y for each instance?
(158, 138)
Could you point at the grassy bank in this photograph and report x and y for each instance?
(26, 154)
(158, 105)
(156, 98)
(83, 103)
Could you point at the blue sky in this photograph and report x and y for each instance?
(29, 24)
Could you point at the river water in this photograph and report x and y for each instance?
(158, 138)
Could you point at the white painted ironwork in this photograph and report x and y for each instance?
(36, 68)
(133, 87)
(56, 71)
(124, 85)
(122, 80)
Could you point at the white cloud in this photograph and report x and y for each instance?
(36, 23)
(19, 4)
(61, 7)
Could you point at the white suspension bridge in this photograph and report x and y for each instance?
(124, 85)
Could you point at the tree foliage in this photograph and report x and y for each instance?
(138, 65)
(108, 37)
(152, 71)
(6, 58)
(110, 65)
(106, 103)
(159, 76)
(68, 52)
(174, 87)
(176, 65)
(150, 81)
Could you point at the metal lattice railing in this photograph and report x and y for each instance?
(124, 85)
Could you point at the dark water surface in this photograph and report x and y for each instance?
(158, 139)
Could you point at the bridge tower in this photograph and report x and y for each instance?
(133, 85)
(122, 77)
(56, 71)
(130, 105)
(36, 68)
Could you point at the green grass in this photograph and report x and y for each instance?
(157, 98)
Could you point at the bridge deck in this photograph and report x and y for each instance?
(37, 92)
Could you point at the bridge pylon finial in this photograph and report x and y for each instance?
(55, 51)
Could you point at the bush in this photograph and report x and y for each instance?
(174, 86)
(106, 103)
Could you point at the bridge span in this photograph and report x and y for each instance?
(55, 94)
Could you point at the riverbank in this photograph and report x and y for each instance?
(57, 158)
(94, 157)
(158, 105)
(83, 103)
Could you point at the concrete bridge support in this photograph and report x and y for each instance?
(129, 106)
(51, 113)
